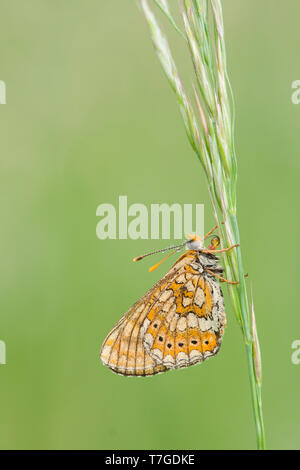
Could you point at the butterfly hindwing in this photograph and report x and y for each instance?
(187, 324)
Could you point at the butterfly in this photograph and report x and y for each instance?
(179, 322)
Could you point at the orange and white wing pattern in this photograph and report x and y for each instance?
(186, 325)
(178, 323)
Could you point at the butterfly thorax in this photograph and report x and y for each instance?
(200, 262)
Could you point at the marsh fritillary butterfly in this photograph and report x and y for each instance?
(178, 323)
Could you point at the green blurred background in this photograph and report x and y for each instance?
(90, 116)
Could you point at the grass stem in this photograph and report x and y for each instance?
(211, 134)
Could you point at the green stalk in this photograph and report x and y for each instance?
(211, 136)
(255, 381)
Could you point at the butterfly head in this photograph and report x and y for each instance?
(197, 243)
(194, 242)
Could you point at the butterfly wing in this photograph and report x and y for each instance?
(186, 324)
(123, 349)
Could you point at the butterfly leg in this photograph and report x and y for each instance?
(219, 251)
(211, 231)
(220, 277)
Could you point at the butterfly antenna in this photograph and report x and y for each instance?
(176, 248)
